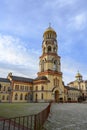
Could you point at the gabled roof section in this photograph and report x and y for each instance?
(4, 80)
(21, 79)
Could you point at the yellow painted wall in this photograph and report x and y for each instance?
(4, 94)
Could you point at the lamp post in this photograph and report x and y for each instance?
(10, 94)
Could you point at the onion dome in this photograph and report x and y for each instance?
(49, 33)
(78, 75)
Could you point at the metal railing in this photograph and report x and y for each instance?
(31, 122)
(41, 117)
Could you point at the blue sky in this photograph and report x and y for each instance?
(22, 24)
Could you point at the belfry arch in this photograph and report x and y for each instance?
(49, 49)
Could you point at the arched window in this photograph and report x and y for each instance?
(3, 97)
(16, 96)
(42, 88)
(31, 88)
(4, 88)
(8, 97)
(21, 96)
(22, 87)
(36, 88)
(42, 96)
(26, 97)
(56, 82)
(49, 49)
(16, 87)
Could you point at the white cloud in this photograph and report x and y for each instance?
(78, 22)
(59, 3)
(13, 52)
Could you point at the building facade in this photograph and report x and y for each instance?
(72, 94)
(20, 88)
(48, 85)
(80, 84)
(4, 90)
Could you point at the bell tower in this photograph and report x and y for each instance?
(50, 66)
(49, 61)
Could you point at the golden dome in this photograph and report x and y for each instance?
(50, 31)
(78, 75)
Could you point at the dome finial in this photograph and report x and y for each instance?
(49, 24)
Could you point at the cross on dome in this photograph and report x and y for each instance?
(49, 24)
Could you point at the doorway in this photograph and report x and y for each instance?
(56, 96)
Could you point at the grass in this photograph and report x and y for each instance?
(8, 110)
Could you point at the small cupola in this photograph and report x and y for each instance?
(49, 33)
(78, 76)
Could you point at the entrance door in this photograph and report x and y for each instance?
(56, 96)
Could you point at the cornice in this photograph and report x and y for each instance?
(17, 82)
(49, 72)
(40, 82)
(49, 54)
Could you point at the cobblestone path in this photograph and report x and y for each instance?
(67, 117)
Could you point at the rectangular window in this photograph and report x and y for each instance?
(21, 87)
(16, 87)
(31, 88)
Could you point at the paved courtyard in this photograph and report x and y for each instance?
(67, 117)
